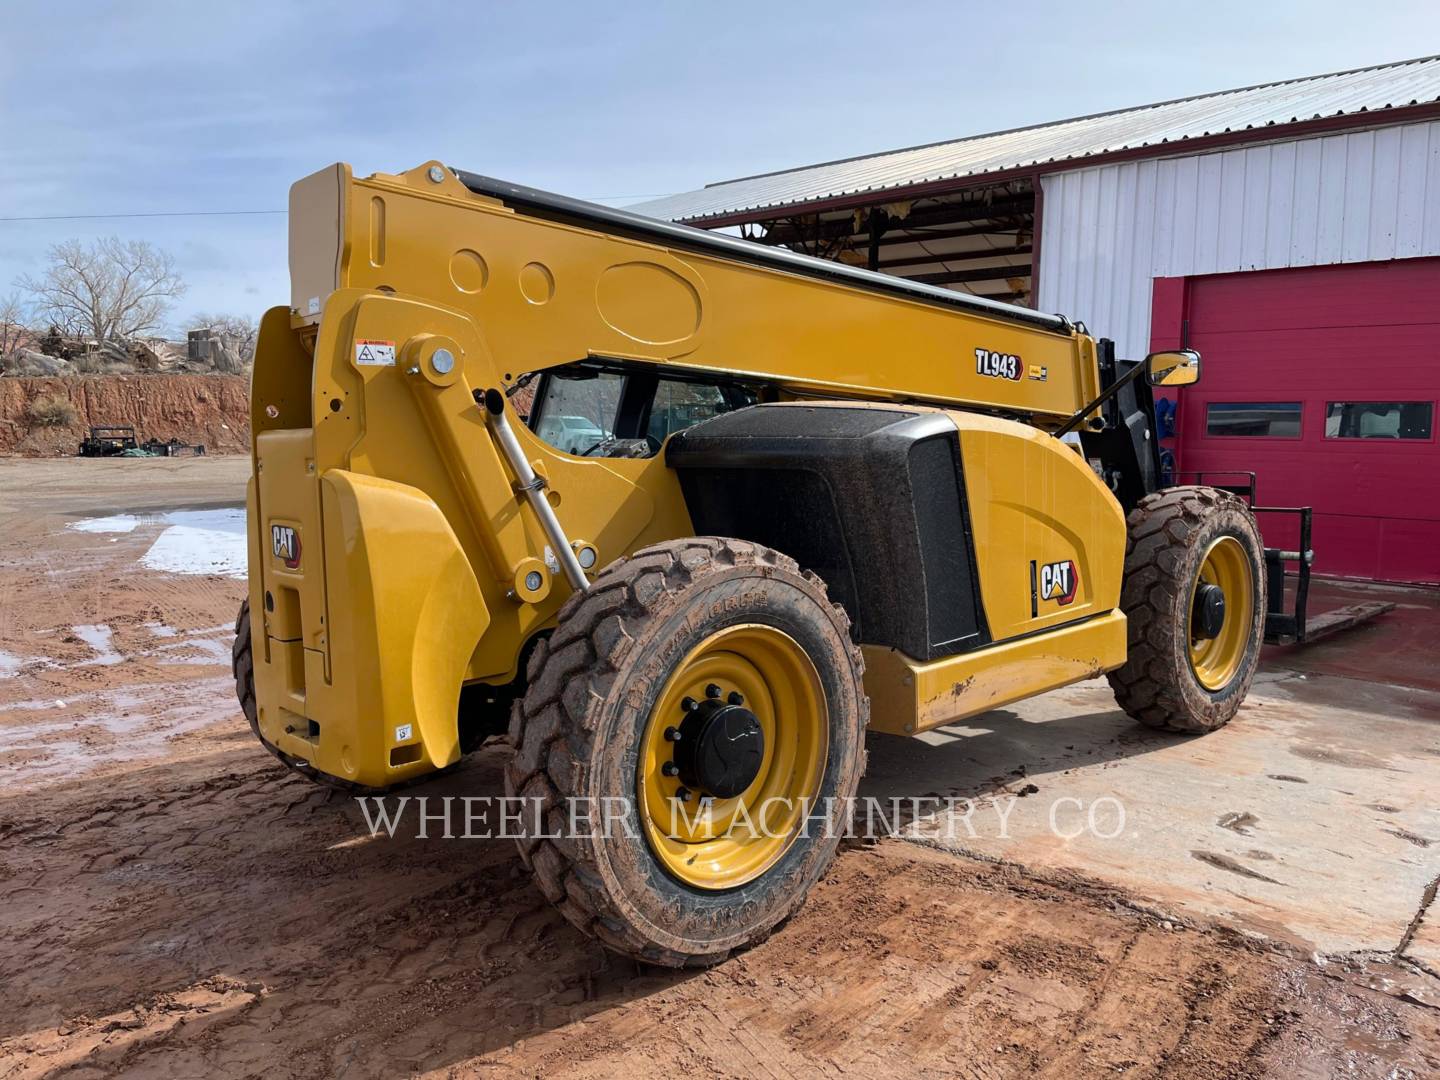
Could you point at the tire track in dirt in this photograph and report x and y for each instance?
(399, 954)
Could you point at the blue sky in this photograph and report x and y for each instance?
(146, 106)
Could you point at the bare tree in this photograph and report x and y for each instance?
(12, 324)
(110, 290)
(239, 331)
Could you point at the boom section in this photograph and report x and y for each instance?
(549, 281)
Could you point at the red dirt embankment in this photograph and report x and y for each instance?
(213, 410)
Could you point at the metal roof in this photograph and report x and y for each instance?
(1161, 126)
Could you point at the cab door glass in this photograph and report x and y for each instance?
(575, 415)
(679, 405)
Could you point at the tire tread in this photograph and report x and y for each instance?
(553, 726)
(1158, 531)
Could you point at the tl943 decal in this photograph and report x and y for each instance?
(998, 365)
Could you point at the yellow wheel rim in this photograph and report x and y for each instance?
(710, 842)
(1215, 660)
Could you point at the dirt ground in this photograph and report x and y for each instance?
(173, 903)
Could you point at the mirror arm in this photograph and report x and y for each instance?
(1105, 395)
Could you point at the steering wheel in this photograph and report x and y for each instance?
(651, 443)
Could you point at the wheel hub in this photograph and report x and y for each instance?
(742, 800)
(1208, 616)
(720, 747)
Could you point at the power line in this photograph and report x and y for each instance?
(230, 213)
(143, 214)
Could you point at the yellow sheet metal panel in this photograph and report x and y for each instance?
(318, 245)
(291, 564)
(1039, 514)
(279, 377)
(908, 696)
(260, 642)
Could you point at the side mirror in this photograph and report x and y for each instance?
(1178, 368)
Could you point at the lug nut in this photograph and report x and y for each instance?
(683, 794)
(670, 769)
(736, 698)
(672, 734)
(712, 690)
(689, 704)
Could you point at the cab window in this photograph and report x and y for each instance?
(680, 404)
(609, 411)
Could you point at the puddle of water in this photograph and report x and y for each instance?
(210, 646)
(98, 636)
(201, 651)
(200, 542)
(142, 720)
(118, 523)
(31, 706)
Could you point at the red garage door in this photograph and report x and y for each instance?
(1323, 381)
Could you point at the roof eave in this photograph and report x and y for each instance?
(1387, 116)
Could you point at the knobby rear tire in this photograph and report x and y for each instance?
(592, 688)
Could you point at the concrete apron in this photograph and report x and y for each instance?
(1313, 818)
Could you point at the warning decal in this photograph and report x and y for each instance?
(375, 353)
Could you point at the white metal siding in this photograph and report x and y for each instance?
(1107, 232)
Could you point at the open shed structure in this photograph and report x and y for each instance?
(1290, 231)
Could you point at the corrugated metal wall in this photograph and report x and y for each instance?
(1107, 232)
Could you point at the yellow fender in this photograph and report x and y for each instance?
(405, 616)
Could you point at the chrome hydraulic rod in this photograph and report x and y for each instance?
(533, 487)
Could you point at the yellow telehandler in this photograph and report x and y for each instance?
(684, 514)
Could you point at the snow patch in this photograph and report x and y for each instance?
(9, 665)
(200, 542)
(118, 523)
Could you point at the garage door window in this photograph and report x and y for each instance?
(1273, 419)
(1379, 419)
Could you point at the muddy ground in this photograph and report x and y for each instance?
(173, 903)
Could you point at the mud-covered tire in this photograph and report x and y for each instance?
(242, 666)
(577, 734)
(1169, 534)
